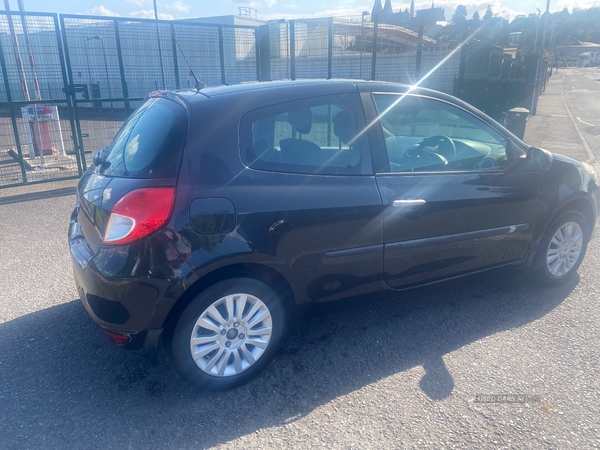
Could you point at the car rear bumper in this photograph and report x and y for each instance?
(128, 290)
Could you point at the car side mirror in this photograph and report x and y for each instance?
(538, 159)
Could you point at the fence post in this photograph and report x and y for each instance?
(256, 54)
(13, 119)
(174, 50)
(545, 75)
(122, 69)
(536, 88)
(162, 66)
(419, 51)
(458, 87)
(18, 60)
(263, 52)
(221, 55)
(374, 49)
(70, 94)
(330, 49)
(292, 50)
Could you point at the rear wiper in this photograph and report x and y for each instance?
(100, 156)
(100, 159)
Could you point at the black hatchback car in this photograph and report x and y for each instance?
(215, 213)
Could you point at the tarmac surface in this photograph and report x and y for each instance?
(568, 114)
(384, 372)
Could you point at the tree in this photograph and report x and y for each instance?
(476, 18)
(460, 15)
(488, 13)
(527, 25)
(579, 25)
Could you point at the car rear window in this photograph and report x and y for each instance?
(150, 143)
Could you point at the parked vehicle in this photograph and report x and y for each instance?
(215, 213)
(588, 59)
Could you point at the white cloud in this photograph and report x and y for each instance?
(570, 4)
(179, 6)
(101, 10)
(400, 5)
(336, 12)
(257, 3)
(149, 14)
(140, 3)
(498, 8)
(142, 14)
(292, 5)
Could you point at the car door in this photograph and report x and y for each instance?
(305, 199)
(453, 204)
(314, 174)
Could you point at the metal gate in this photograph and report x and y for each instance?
(113, 63)
(38, 138)
(70, 81)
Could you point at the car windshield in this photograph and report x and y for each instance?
(150, 143)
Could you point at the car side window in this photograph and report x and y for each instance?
(312, 136)
(424, 134)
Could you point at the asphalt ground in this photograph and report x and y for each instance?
(382, 372)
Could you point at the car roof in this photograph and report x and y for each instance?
(261, 93)
(285, 84)
(291, 89)
(333, 86)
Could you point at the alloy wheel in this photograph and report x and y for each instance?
(564, 249)
(231, 335)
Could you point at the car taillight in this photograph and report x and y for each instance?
(138, 214)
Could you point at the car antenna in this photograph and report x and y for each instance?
(199, 84)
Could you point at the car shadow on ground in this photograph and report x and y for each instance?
(63, 383)
(31, 196)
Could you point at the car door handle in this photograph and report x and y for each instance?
(412, 203)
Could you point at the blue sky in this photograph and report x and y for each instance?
(275, 9)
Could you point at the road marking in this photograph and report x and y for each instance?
(586, 123)
(583, 141)
(558, 115)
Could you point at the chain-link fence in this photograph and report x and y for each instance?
(71, 80)
(36, 117)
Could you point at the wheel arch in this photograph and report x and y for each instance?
(259, 272)
(579, 204)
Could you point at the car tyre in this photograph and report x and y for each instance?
(228, 334)
(562, 248)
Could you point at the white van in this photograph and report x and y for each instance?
(588, 59)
